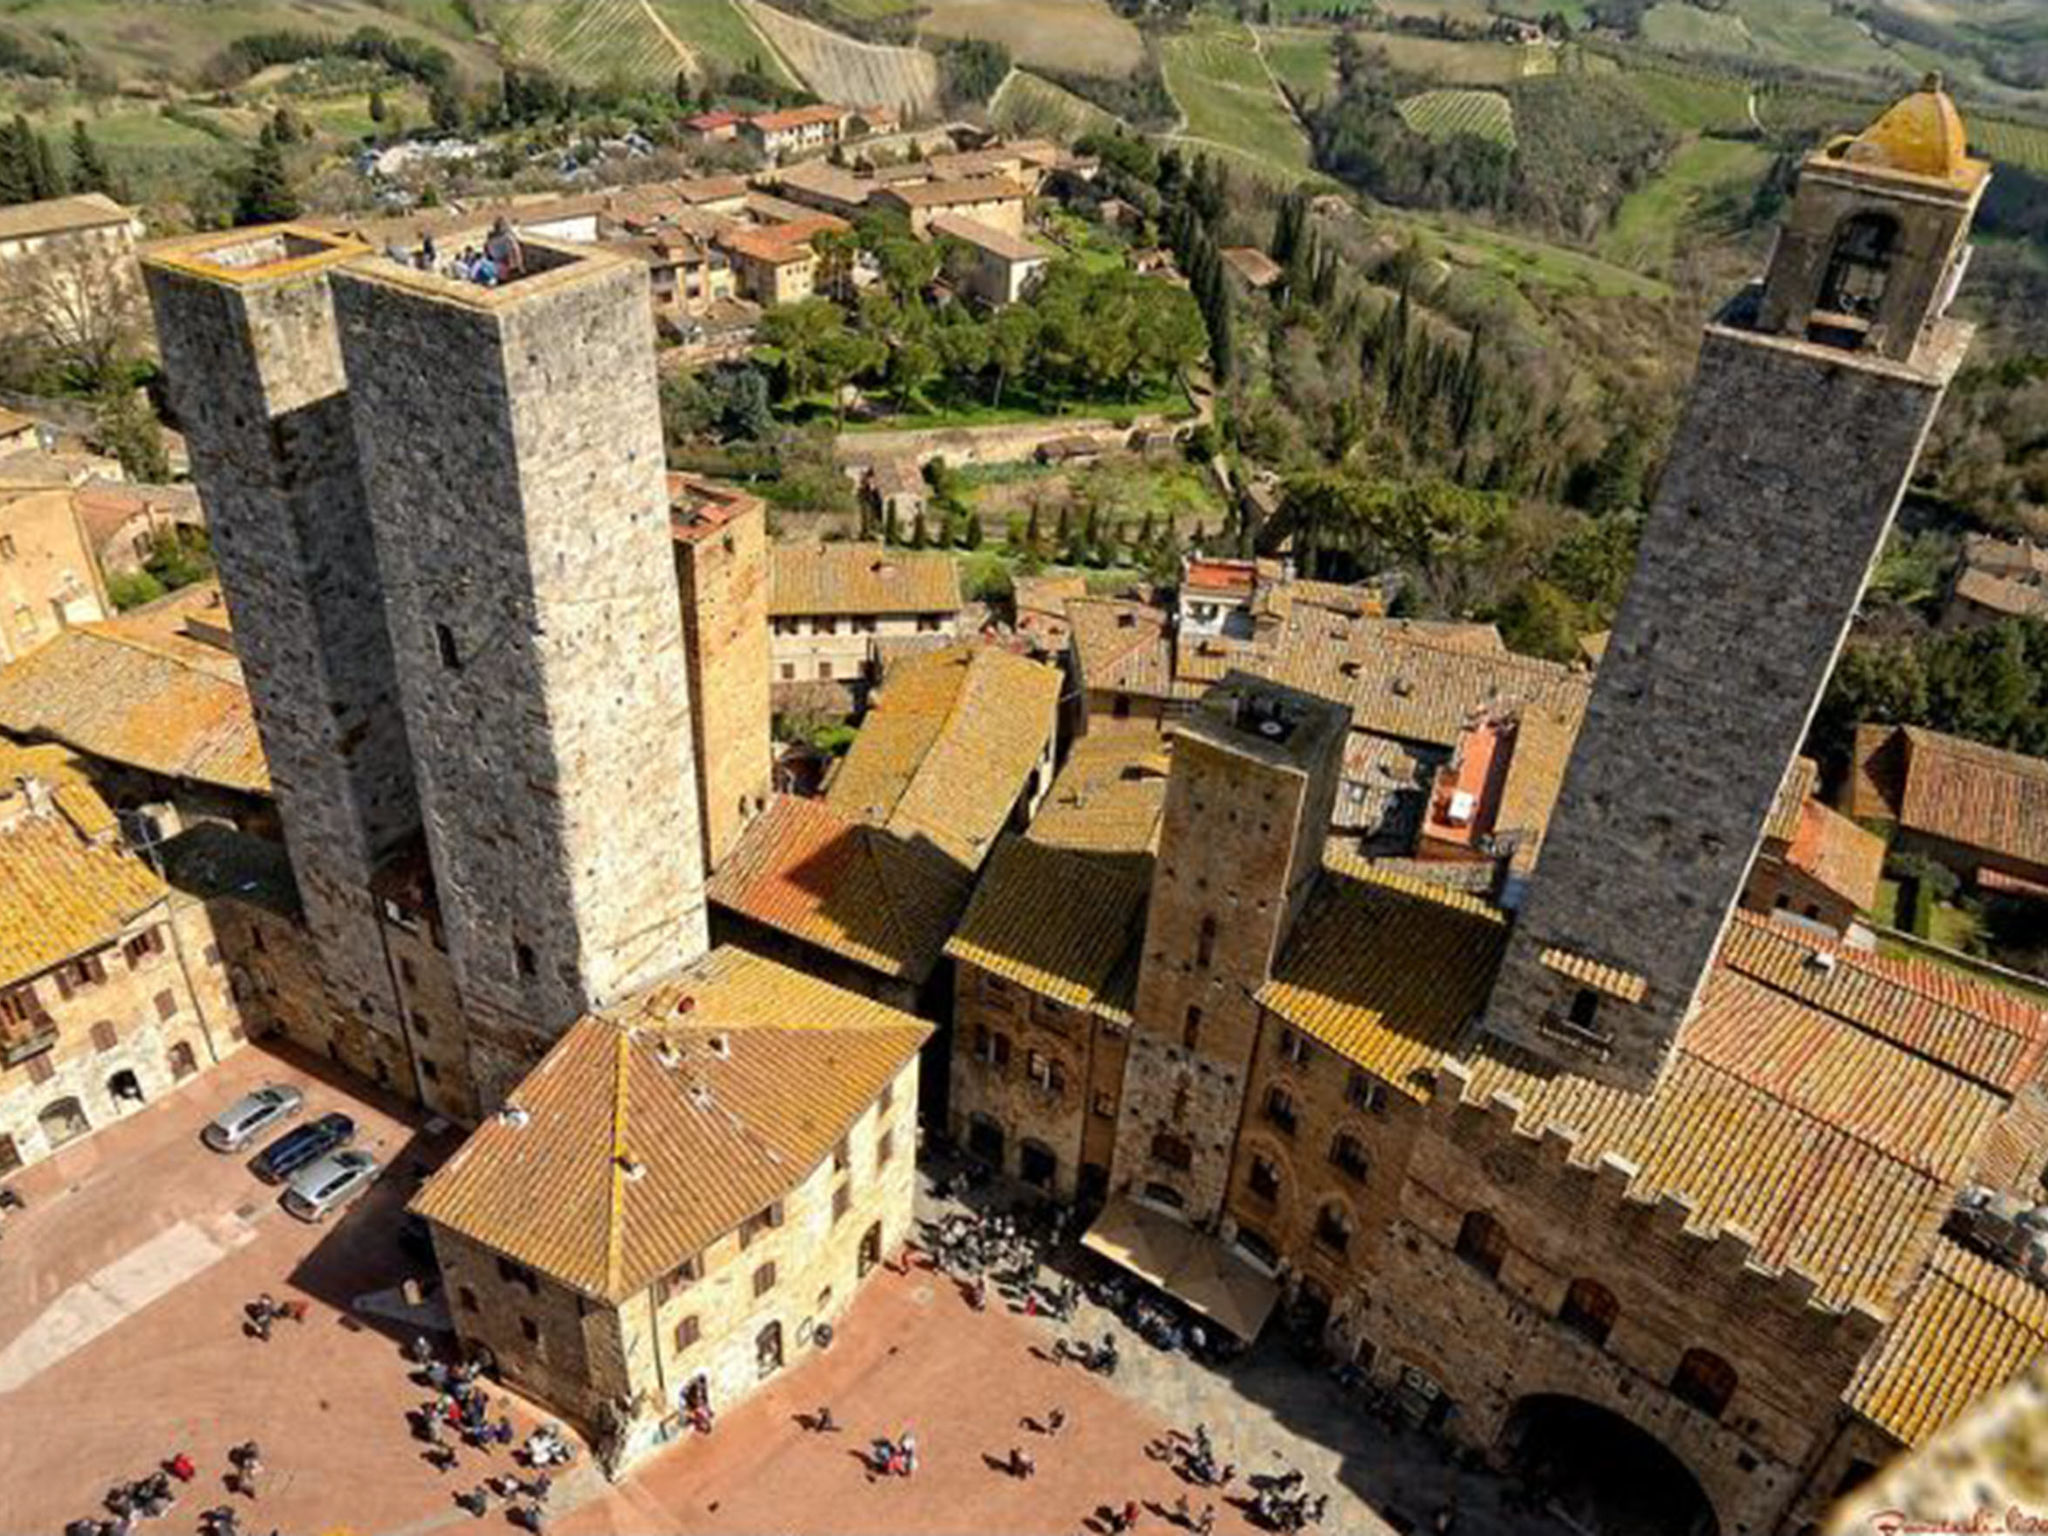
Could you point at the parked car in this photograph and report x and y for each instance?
(318, 1191)
(296, 1148)
(251, 1115)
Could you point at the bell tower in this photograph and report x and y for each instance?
(1814, 392)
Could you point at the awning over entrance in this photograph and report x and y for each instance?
(1193, 1268)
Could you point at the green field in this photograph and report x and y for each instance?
(1693, 103)
(1030, 106)
(605, 40)
(2001, 140)
(1646, 229)
(1460, 63)
(1231, 104)
(1685, 28)
(1448, 114)
(1301, 60)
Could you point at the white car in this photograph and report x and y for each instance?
(320, 1190)
(251, 1115)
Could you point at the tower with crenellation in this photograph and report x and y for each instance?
(1814, 393)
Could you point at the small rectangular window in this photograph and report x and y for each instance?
(444, 643)
(523, 954)
(429, 1071)
(530, 1329)
(686, 1333)
(166, 1005)
(842, 1201)
(764, 1280)
(885, 1148)
(467, 1297)
(103, 1035)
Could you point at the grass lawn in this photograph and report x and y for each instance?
(1018, 407)
(1086, 243)
(1302, 60)
(1030, 106)
(1517, 261)
(1229, 101)
(1693, 103)
(1686, 28)
(1647, 226)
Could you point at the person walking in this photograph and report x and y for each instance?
(909, 1448)
(181, 1467)
(248, 1462)
(1055, 1420)
(822, 1422)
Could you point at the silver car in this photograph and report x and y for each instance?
(251, 1115)
(320, 1190)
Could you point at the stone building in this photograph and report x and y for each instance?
(994, 202)
(1763, 533)
(1980, 811)
(112, 989)
(1813, 862)
(721, 546)
(1003, 265)
(49, 576)
(252, 354)
(512, 453)
(1241, 840)
(829, 603)
(796, 130)
(1046, 970)
(728, 1154)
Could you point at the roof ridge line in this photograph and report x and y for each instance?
(615, 1233)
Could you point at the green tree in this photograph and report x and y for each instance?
(125, 427)
(89, 171)
(1012, 340)
(265, 194)
(803, 336)
(377, 107)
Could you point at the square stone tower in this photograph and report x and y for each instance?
(511, 445)
(1248, 801)
(1813, 396)
(246, 325)
(721, 544)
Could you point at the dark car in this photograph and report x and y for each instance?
(295, 1149)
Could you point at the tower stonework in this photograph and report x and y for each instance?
(246, 325)
(511, 443)
(1248, 802)
(1813, 395)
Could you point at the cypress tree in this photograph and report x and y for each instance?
(17, 175)
(89, 171)
(266, 195)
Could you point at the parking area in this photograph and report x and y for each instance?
(123, 1283)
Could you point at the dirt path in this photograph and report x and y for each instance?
(685, 54)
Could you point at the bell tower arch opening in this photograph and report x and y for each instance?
(1608, 1476)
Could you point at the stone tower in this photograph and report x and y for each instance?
(721, 545)
(511, 445)
(1248, 804)
(246, 324)
(1813, 395)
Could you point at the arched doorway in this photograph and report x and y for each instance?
(184, 1062)
(870, 1250)
(768, 1350)
(63, 1121)
(124, 1088)
(1610, 1477)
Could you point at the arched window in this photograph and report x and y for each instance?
(1205, 943)
(1264, 1179)
(1860, 265)
(1333, 1230)
(1704, 1380)
(1280, 1109)
(1482, 1243)
(1347, 1155)
(1589, 1308)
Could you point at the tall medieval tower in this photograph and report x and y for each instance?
(1814, 393)
(247, 329)
(511, 444)
(1248, 804)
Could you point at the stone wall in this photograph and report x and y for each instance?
(723, 576)
(512, 449)
(435, 1021)
(1753, 559)
(255, 376)
(1005, 1090)
(574, 1359)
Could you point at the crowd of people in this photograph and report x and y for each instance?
(499, 259)
(459, 1415)
(155, 1495)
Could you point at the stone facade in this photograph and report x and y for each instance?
(839, 648)
(512, 450)
(247, 330)
(705, 1323)
(124, 1022)
(1044, 1077)
(49, 578)
(721, 545)
(1755, 554)
(1248, 803)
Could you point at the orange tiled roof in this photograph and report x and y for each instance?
(1782, 825)
(1110, 795)
(861, 579)
(65, 887)
(724, 1109)
(1833, 851)
(853, 890)
(948, 744)
(1057, 921)
(1974, 795)
(1967, 1328)
(1123, 647)
(165, 708)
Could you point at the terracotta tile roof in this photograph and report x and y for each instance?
(1544, 736)
(1800, 779)
(61, 215)
(70, 783)
(1833, 851)
(945, 194)
(1967, 1328)
(1252, 264)
(853, 890)
(762, 245)
(1985, 1033)
(165, 709)
(1349, 978)
(723, 1109)
(1057, 921)
(948, 744)
(797, 117)
(861, 579)
(1407, 685)
(1611, 979)
(63, 888)
(2002, 594)
(1974, 795)
(986, 237)
(1877, 770)
(1123, 647)
(1234, 576)
(1109, 796)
